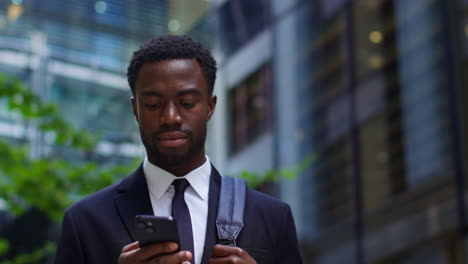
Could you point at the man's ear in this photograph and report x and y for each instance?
(211, 105)
(134, 108)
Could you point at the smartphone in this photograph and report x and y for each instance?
(154, 229)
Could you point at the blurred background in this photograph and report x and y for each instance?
(361, 102)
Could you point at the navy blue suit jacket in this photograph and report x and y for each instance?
(95, 229)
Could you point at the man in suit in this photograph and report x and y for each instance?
(172, 80)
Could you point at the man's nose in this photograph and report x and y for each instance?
(171, 115)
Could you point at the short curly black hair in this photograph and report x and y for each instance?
(172, 47)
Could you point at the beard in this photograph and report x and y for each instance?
(172, 157)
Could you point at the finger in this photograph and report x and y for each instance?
(178, 257)
(220, 260)
(224, 251)
(153, 250)
(131, 247)
(128, 253)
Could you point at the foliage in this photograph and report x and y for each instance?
(256, 180)
(4, 246)
(56, 182)
(22, 100)
(36, 256)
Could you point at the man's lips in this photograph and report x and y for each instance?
(172, 139)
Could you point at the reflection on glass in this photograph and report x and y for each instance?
(103, 110)
(424, 98)
(250, 109)
(326, 122)
(240, 21)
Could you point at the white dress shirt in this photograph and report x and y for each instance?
(196, 196)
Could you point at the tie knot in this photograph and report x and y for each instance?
(180, 185)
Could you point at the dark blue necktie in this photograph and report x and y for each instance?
(181, 214)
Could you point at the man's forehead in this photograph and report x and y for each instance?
(184, 72)
(172, 61)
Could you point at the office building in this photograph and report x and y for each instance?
(374, 92)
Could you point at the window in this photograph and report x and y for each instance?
(84, 103)
(326, 122)
(241, 20)
(250, 109)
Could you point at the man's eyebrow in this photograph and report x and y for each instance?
(189, 92)
(151, 93)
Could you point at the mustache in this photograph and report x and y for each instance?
(187, 132)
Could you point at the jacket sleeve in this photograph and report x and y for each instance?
(288, 247)
(69, 250)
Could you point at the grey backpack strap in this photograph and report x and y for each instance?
(230, 218)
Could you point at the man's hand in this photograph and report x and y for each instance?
(154, 253)
(227, 254)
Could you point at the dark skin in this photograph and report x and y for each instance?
(230, 255)
(172, 106)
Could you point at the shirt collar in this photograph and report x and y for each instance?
(159, 180)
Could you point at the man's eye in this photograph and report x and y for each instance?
(153, 106)
(188, 104)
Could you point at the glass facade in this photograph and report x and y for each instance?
(101, 32)
(239, 21)
(386, 160)
(76, 53)
(379, 101)
(83, 103)
(250, 109)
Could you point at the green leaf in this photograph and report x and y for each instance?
(56, 181)
(4, 246)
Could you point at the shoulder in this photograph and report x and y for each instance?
(102, 200)
(265, 204)
(259, 197)
(96, 201)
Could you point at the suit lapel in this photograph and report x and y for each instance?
(133, 199)
(211, 235)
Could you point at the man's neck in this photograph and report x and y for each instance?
(181, 169)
